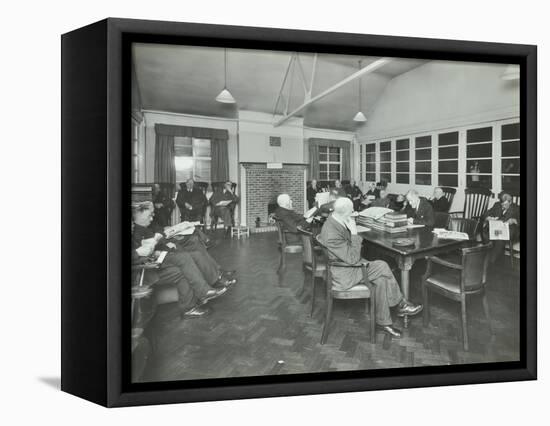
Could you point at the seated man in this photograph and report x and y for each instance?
(191, 202)
(338, 189)
(339, 235)
(223, 203)
(439, 201)
(383, 201)
(189, 304)
(420, 211)
(312, 190)
(355, 195)
(507, 212)
(163, 206)
(399, 203)
(289, 218)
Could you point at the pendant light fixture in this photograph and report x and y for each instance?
(359, 117)
(225, 97)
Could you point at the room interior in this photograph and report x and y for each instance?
(424, 124)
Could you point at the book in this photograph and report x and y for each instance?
(444, 234)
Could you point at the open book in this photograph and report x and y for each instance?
(322, 198)
(498, 230)
(374, 212)
(450, 235)
(183, 228)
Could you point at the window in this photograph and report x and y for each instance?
(402, 155)
(423, 161)
(385, 161)
(479, 157)
(360, 162)
(192, 158)
(510, 157)
(448, 159)
(330, 163)
(135, 152)
(370, 162)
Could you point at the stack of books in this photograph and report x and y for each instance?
(392, 222)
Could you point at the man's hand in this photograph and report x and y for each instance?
(158, 205)
(410, 220)
(511, 222)
(145, 251)
(188, 206)
(149, 242)
(157, 237)
(171, 246)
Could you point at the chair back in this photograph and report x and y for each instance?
(441, 220)
(280, 232)
(308, 243)
(449, 193)
(476, 202)
(469, 226)
(475, 261)
(515, 197)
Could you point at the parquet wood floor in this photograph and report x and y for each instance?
(261, 326)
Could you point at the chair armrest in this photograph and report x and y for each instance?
(337, 263)
(456, 214)
(442, 262)
(145, 266)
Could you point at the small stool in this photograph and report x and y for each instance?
(240, 230)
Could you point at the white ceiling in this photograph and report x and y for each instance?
(186, 79)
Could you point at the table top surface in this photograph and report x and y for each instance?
(425, 241)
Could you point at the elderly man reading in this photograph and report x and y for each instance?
(420, 210)
(439, 201)
(339, 235)
(289, 218)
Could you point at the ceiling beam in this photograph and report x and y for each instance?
(368, 69)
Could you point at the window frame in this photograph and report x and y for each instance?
(195, 158)
(328, 163)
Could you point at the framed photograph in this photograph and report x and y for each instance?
(254, 212)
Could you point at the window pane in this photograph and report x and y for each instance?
(385, 146)
(448, 180)
(510, 149)
(479, 135)
(334, 175)
(184, 168)
(401, 167)
(370, 177)
(371, 147)
(423, 179)
(448, 166)
(511, 183)
(385, 156)
(202, 170)
(323, 156)
(479, 181)
(449, 152)
(448, 138)
(423, 167)
(183, 147)
(480, 151)
(334, 168)
(370, 167)
(402, 155)
(424, 142)
(402, 144)
(483, 166)
(333, 150)
(201, 147)
(510, 165)
(385, 167)
(323, 168)
(385, 176)
(402, 178)
(371, 158)
(334, 157)
(424, 154)
(510, 131)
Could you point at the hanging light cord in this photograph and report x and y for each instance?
(359, 108)
(225, 68)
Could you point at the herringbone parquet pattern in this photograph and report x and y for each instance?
(263, 327)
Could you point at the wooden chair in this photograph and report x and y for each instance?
(449, 193)
(284, 247)
(312, 265)
(214, 218)
(469, 226)
(363, 290)
(455, 281)
(513, 245)
(476, 203)
(441, 220)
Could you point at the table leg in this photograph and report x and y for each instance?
(405, 265)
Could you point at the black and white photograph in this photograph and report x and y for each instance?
(307, 212)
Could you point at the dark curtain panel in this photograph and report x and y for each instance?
(220, 160)
(165, 167)
(315, 143)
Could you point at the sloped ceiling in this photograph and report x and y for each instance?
(187, 79)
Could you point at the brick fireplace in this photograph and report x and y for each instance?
(261, 185)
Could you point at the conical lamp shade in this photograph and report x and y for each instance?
(225, 97)
(360, 117)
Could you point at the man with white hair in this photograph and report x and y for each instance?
(289, 218)
(439, 201)
(420, 211)
(339, 235)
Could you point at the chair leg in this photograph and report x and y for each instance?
(426, 311)
(486, 310)
(464, 323)
(372, 318)
(304, 285)
(328, 316)
(313, 293)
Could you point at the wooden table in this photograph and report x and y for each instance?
(426, 244)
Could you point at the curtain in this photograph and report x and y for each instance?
(219, 166)
(165, 167)
(315, 143)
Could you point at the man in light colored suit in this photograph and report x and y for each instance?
(339, 235)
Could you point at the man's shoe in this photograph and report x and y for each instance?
(195, 312)
(212, 294)
(388, 329)
(409, 309)
(225, 282)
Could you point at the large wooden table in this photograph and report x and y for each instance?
(426, 244)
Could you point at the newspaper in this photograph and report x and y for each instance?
(498, 230)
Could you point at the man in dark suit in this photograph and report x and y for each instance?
(191, 202)
(355, 194)
(223, 203)
(312, 190)
(163, 206)
(439, 201)
(420, 211)
(290, 219)
(383, 201)
(506, 211)
(338, 189)
(339, 235)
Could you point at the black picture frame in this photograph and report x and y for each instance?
(96, 178)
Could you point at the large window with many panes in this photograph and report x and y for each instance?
(402, 158)
(479, 157)
(448, 159)
(510, 157)
(423, 160)
(370, 162)
(192, 158)
(385, 161)
(330, 163)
